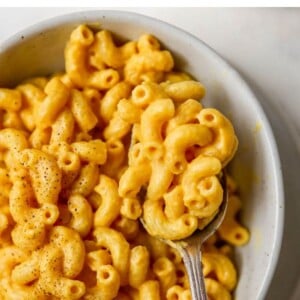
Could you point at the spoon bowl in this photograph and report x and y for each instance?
(190, 247)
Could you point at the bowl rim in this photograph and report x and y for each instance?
(49, 23)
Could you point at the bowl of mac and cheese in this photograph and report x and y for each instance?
(108, 117)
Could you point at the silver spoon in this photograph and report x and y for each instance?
(190, 248)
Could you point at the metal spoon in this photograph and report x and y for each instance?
(190, 248)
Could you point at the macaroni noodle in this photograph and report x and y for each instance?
(85, 153)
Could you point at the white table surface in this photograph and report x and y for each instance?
(264, 46)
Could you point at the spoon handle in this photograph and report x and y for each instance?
(192, 260)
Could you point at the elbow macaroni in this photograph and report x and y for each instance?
(84, 154)
(152, 120)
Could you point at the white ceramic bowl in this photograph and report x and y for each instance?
(39, 50)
